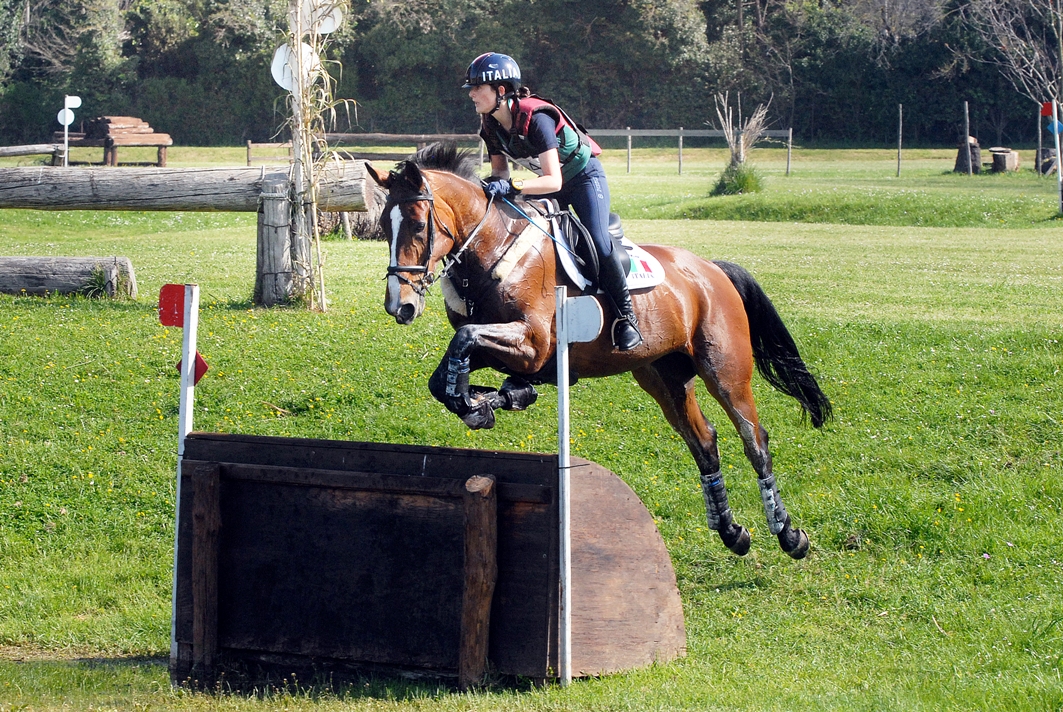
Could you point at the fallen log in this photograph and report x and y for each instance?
(342, 188)
(91, 276)
(30, 150)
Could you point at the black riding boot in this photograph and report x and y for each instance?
(613, 281)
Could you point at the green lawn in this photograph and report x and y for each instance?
(933, 501)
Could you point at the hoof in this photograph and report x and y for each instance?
(480, 416)
(794, 542)
(517, 395)
(736, 539)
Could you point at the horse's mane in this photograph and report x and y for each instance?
(445, 156)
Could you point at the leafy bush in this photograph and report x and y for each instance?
(738, 178)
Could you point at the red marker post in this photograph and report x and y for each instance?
(179, 306)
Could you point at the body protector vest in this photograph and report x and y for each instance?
(574, 146)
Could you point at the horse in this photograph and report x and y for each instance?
(707, 320)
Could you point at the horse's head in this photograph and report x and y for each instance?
(409, 220)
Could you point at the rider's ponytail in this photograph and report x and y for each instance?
(524, 92)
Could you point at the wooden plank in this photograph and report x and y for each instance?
(148, 139)
(112, 276)
(193, 189)
(206, 527)
(481, 573)
(344, 455)
(376, 482)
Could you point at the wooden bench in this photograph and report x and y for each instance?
(111, 132)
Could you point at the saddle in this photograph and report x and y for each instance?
(576, 249)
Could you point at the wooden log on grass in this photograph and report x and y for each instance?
(31, 150)
(342, 187)
(91, 276)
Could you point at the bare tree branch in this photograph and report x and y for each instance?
(1026, 37)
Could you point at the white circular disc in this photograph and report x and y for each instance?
(321, 16)
(280, 69)
(330, 22)
(66, 117)
(284, 63)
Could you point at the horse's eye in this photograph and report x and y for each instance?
(418, 226)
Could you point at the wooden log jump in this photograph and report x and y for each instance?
(341, 556)
(94, 276)
(342, 188)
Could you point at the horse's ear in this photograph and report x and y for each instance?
(413, 174)
(383, 179)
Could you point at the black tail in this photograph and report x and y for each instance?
(774, 350)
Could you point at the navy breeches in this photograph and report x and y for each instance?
(588, 194)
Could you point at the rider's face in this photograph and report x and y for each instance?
(484, 98)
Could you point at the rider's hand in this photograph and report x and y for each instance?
(498, 188)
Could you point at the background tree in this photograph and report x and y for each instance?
(199, 69)
(1027, 41)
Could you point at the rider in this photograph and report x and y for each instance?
(539, 135)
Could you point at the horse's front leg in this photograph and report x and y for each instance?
(510, 342)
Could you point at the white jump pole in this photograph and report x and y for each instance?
(578, 319)
(1059, 156)
(185, 413)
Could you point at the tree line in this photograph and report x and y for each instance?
(834, 70)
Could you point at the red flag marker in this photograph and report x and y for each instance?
(172, 305)
(201, 368)
(1046, 108)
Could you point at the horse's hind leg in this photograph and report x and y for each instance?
(670, 381)
(736, 397)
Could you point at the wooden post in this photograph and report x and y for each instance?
(481, 572)
(345, 221)
(967, 138)
(680, 150)
(789, 147)
(900, 130)
(206, 527)
(629, 149)
(273, 274)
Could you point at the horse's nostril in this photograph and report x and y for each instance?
(405, 314)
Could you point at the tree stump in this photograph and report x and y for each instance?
(969, 155)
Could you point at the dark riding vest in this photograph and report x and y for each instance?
(574, 146)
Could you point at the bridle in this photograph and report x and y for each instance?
(421, 286)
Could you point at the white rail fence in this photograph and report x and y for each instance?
(682, 133)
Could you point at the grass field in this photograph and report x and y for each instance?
(934, 500)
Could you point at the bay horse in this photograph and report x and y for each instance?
(708, 319)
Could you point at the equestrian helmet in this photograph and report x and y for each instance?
(492, 68)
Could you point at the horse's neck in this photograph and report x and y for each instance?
(486, 245)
